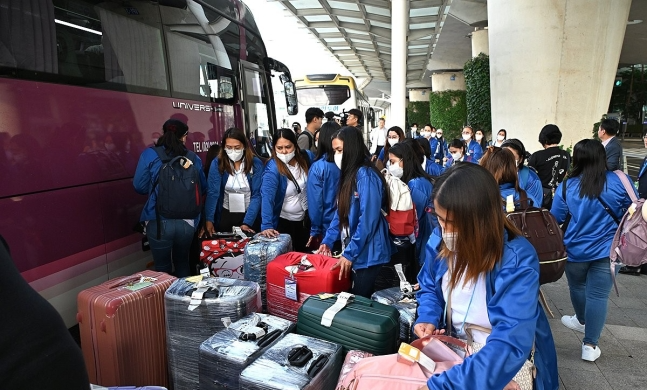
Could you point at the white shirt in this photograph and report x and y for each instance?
(463, 311)
(292, 205)
(605, 143)
(378, 138)
(237, 184)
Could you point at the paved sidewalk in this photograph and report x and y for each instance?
(623, 364)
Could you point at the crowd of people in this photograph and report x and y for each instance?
(325, 187)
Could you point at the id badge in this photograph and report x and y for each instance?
(236, 203)
(291, 289)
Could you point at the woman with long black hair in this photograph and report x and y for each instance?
(284, 203)
(595, 200)
(359, 221)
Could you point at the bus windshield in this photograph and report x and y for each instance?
(330, 95)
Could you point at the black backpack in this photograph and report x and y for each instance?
(311, 140)
(179, 194)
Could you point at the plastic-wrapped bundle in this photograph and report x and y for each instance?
(226, 354)
(260, 251)
(295, 363)
(352, 357)
(194, 312)
(406, 306)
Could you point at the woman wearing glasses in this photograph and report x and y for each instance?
(234, 193)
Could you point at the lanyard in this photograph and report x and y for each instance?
(293, 180)
(448, 306)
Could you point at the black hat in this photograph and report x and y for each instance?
(179, 128)
(550, 135)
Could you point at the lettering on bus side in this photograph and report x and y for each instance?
(196, 107)
(199, 147)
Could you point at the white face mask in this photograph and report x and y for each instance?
(479, 137)
(457, 156)
(467, 137)
(425, 134)
(338, 157)
(392, 141)
(286, 158)
(235, 155)
(439, 135)
(433, 134)
(499, 138)
(450, 240)
(396, 170)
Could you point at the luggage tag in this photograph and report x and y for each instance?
(342, 300)
(196, 297)
(236, 203)
(509, 204)
(291, 289)
(405, 287)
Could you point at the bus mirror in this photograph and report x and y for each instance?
(291, 98)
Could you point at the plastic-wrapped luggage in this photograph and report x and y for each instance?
(296, 363)
(226, 354)
(294, 276)
(352, 357)
(353, 321)
(194, 312)
(95, 387)
(121, 324)
(406, 305)
(260, 251)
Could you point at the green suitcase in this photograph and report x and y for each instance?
(358, 324)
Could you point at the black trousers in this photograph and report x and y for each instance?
(228, 220)
(298, 230)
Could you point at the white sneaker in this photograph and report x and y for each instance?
(572, 322)
(590, 354)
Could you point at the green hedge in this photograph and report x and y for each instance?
(448, 111)
(417, 112)
(477, 85)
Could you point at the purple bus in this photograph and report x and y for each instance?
(85, 86)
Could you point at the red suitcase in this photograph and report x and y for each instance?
(308, 280)
(123, 332)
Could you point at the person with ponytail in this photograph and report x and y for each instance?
(359, 222)
(171, 241)
(284, 201)
(234, 193)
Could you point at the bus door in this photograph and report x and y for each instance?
(258, 117)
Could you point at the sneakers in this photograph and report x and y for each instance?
(589, 353)
(572, 322)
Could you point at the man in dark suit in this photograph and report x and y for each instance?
(607, 134)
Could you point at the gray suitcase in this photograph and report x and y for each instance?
(287, 366)
(406, 306)
(260, 251)
(227, 353)
(190, 321)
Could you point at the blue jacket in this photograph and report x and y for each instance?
(514, 311)
(450, 161)
(323, 183)
(421, 190)
(614, 154)
(508, 189)
(432, 168)
(443, 150)
(216, 190)
(273, 189)
(148, 169)
(368, 230)
(530, 182)
(474, 150)
(590, 232)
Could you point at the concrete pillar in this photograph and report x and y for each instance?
(480, 43)
(399, 30)
(553, 62)
(419, 95)
(448, 81)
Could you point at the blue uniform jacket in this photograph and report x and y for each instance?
(508, 189)
(450, 161)
(323, 183)
(273, 189)
(148, 169)
(432, 168)
(474, 149)
(216, 191)
(590, 232)
(421, 190)
(368, 230)
(514, 311)
(530, 182)
(441, 150)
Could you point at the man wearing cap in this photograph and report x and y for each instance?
(552, 163)
(355, 118)
(314, 119)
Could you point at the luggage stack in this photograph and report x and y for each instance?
(295, 362)
(294, 276)
(194, 312)
(405, 304)
(226, 354)
(121, 324)
(352, 321)
(258, 253)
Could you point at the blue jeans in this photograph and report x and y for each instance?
(172, 249)
(363, 280)
(590, 284)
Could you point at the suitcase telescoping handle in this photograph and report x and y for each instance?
(129, 279)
